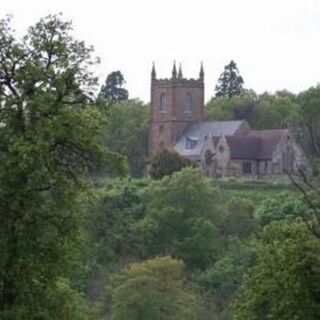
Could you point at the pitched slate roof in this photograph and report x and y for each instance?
(255, 144)
(200, 131)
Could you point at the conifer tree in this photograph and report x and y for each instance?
(230, 82)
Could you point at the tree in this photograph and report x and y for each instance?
(238, 219)
(238, 107)
(285, 282)
(166, 162)
(113, 90)
(153, 289)
(219, 283)
(310, 103)
(182, 212)
(230, 82)
(126, 133)
(110, 235)
(110, 224)
(264, 111)
(49, 143)
(282, 207)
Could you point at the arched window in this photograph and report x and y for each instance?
(246, 167)
(284, 162)
(162, 102)
(188, 102)
(208, 157)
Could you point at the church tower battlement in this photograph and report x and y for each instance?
(175, 103)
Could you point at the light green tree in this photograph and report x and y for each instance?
(153, 289)
(264, 111)
(285, 282)
(282, 207)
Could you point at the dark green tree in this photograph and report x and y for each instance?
(126, 133)
(230, 82)
(219, 283)
(48, 146)
(182, 213)
(113, 90)
(238, 219)
(166, 162)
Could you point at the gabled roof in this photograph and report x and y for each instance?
(200, 131)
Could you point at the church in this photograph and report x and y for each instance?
(221, 148)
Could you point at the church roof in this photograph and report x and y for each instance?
(244, 147)
(198, 132)
(255, 144)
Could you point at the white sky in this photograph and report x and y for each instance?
(275, 43)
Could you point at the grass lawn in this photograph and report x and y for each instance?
(256, 191)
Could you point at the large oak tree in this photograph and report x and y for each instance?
(48, 145)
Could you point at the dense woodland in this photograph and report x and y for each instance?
(86, 233)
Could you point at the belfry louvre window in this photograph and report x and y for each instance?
(246, 167)
(188, 102)
(162, 102)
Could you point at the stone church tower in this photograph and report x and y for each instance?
(175, 103)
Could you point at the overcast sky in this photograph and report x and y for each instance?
(275, 43)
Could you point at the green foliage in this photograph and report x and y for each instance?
(48, 146)
(111, 224)
(220, 282)
(113, 90)
(310, 102)
(255, 191)
(59, 301)
(237, 107)
(154, 289)
(279, 110)
(166, 162)
(126, 133)
(285, 282)
(238, 219)
(282, 207)
(183, 208)
(54, 137)
(230, 82)
(265, 111)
